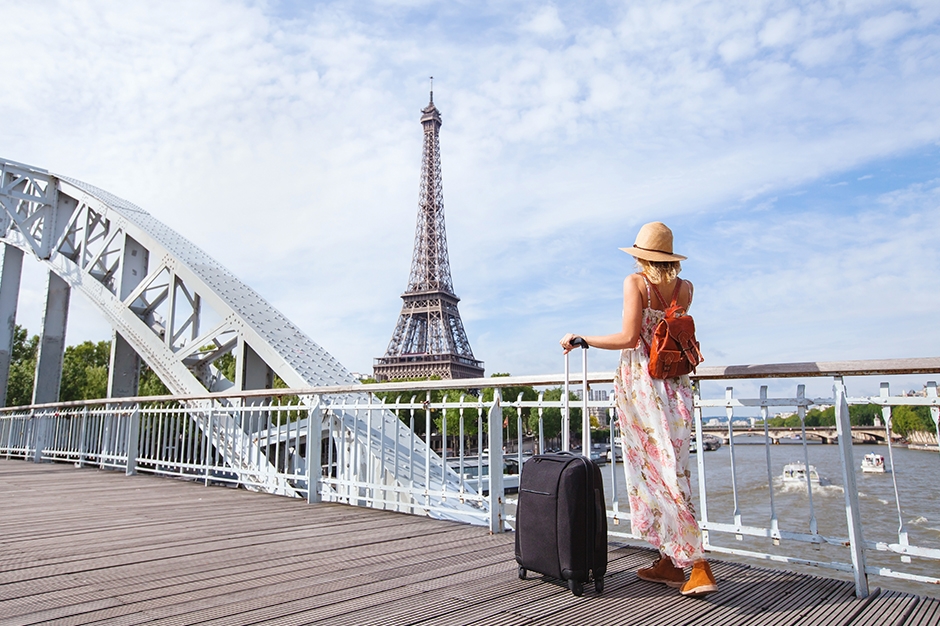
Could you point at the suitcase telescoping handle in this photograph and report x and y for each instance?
(566, 412)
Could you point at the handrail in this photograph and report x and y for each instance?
(810, 369)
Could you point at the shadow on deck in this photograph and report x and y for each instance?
(81, 546)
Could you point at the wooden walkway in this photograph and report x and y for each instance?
(82, 546)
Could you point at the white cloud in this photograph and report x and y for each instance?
(737, 49)
(781, 29)
(878, 30)
(546, 23)
(825, 50)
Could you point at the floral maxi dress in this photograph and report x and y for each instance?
(655, 418)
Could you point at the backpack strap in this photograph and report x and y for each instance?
(675, 293)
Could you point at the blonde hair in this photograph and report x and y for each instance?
(659, 272)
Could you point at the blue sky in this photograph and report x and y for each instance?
(792, 146)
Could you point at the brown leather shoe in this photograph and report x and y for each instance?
(663, 571)
(701, 581)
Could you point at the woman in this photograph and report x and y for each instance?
(655, 418)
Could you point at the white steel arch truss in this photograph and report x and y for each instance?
(177, 308)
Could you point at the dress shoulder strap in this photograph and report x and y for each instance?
(649, 297)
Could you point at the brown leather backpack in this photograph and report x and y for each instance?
(674, 351)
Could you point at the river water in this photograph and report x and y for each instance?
(918, 482)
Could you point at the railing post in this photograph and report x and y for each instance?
(133, 436)
(428, 451)
(495, 425)
(729, 414)
(699, 458)
(39, 435)
(314, 462)
(934, 410)
(208, 449)
(903, 538)
(852, 513)
(82, 436)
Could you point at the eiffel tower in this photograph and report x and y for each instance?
(429, 338)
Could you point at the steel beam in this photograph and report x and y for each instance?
(9, 296)
(52, 342)
(124, 370)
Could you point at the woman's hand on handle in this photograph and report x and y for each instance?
(570, 341)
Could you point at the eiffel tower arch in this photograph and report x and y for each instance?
(429, 338)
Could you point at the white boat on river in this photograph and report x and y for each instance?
(874, 463)
(796, 472)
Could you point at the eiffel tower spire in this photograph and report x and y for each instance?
(429, 338)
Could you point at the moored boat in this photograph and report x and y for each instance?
(600, 453)
(709, 443)
(615, 453)
(472, 466)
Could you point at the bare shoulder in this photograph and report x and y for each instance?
(634, 282)
(685, 295)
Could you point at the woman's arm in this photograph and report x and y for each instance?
(633, 296)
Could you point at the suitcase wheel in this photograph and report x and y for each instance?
(599, 585)
(576, 587)
(522, 573)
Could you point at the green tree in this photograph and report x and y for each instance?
(420, 415)
(85, 371)
(551, 416)
(909, 419)
(817, 417)
(150, 384)
(470, 414)
(22, 367)
(600, 435)
(509, 396)
(226, 365)
(864, 414)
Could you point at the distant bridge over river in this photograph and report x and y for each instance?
(824, 434)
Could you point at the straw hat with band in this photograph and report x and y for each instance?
(654, 243)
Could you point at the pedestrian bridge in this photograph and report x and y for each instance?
(356, 462)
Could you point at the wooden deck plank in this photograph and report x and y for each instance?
(925, 613)
(83, 546)
(328, 584)
(494, 601)
(175, 592)
(884, 608)
(139, 587)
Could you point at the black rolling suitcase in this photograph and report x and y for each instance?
(561, 520)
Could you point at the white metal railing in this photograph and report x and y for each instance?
(368, 452)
